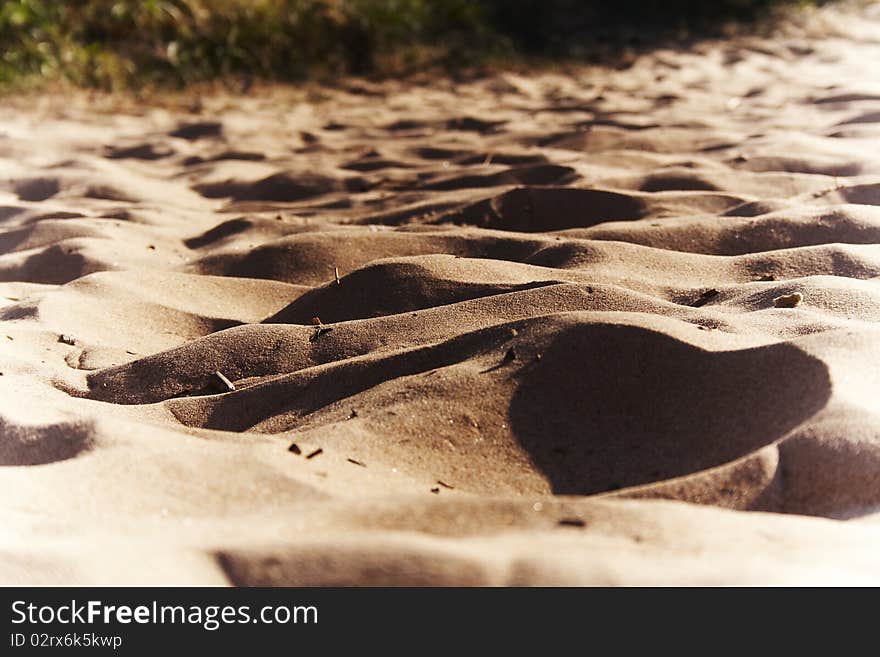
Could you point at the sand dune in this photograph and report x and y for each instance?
(601, 327)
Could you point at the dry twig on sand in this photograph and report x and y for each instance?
(319, 331)
(571, 522)
(224, 382)
(788, 300)
(705, 298)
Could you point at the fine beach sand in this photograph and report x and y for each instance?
(515, 331)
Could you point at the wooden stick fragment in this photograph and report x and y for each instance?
(788, 300)
(571, 522)
(705, 298)
(228, 385)
(319, 331)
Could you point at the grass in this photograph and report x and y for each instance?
(131, 44)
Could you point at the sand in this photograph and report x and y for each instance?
(596, 326)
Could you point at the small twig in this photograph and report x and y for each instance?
(705, 298)
(363, 465)
(509, 357)
(319, 331)
(317, 452)
(788, 300)
(571, 522)
(226, 383)
(445, 485)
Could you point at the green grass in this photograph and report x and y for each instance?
(116, 44)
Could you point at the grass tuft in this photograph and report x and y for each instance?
(125, 44)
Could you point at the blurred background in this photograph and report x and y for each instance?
(114, 44)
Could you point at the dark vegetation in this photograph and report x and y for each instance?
(134, 43)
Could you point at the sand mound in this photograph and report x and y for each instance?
(524, 330)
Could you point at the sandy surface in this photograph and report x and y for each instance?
(552, 355)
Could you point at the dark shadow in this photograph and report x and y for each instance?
(538, 174)
(10, 211)
(281, 187)
(42, 444)
(55, 265)
(140, 152)
(670, 182)
(244, 156)
(394, 287)
(539, 209)
(608, 407)
(217, 233)
(197, 130)
(37, 189)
